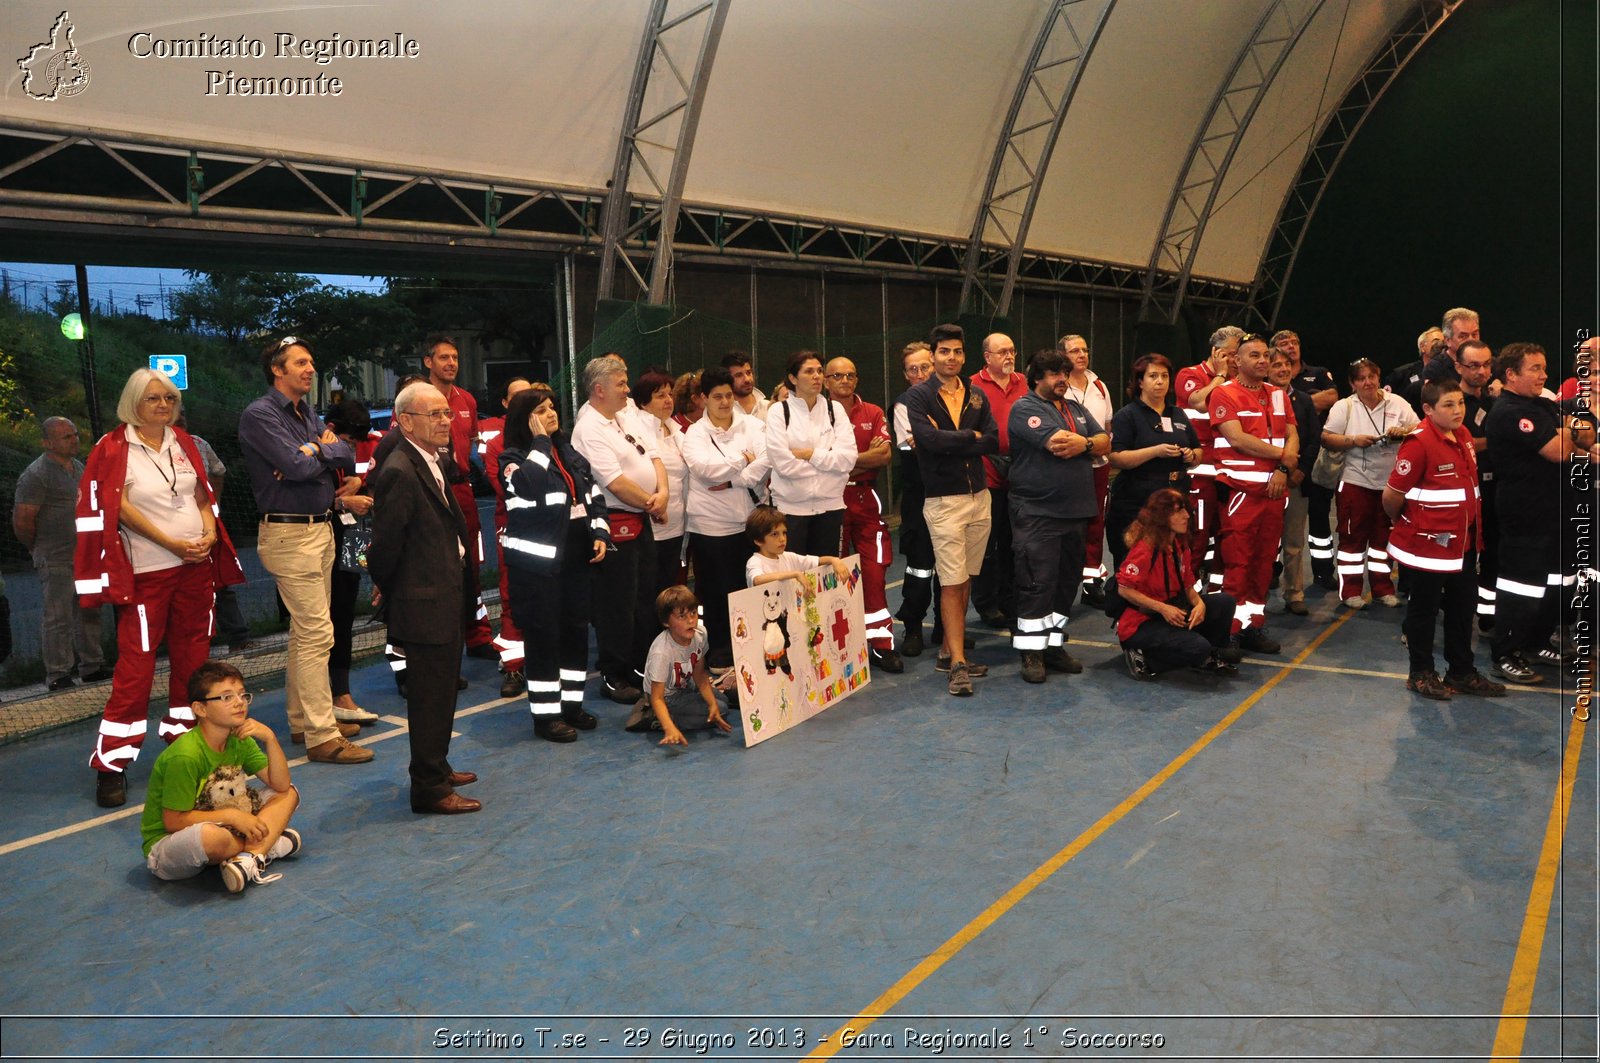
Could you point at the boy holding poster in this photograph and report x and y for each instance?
(772, 560)
(675, 675)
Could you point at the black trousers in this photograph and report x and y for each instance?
(1319, 528)
(625, 585)
(552, 611)
(818, 534)
(342, 612)
(921, 587)
(995, 587)
(718, 572)
(1120, 512)
(1527, 602)
(1489, 560)
(1048, 560)
(431, 707)
(1166, 647)
(1457, 593)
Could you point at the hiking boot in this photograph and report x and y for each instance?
(111, 789)
(1428, 684)
(512, 684)
(1229, 654)
(911, 641)
(579, 717)
(1474, 683)
(1057, 659)
(1032, 667)
(942, 664)
(1256, 640)
(888, 660)
(961, 680)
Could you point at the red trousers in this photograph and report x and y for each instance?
(479, 633)
(1095, 533)
(1204, 520)
(175, 604)
(1363, 542)
(865, 533)
(1248, 542)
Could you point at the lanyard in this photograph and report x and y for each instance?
(172, 481)
(1066, 413)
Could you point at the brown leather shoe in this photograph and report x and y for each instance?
(449, 805)
(462, 778)
(338, 751)
(348, 730)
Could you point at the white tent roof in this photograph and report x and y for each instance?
(876, 112)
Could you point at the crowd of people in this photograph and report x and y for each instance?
(1208, 487)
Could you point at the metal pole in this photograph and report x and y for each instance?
(91, 391)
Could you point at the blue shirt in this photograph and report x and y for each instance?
(1043, 485)
(272, 430)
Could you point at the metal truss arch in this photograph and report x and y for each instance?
(674, 66)
(1026, 144)
(1194, 194)
(1300, 203)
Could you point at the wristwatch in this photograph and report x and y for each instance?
(1283, 468)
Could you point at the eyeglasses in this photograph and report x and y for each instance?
(634, 441)
(437, 415)
(841, 376)
(232, 697)
(160, 400)
(1474, 365)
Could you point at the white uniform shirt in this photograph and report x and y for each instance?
(716, 458)
(807, 488)
(1369, 467)
(1096, 398)
(616, 446)
(161, 485)
(669, 441)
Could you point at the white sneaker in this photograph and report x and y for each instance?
(288, 844)
(237, 871)
(1355, 603)
(1391, 600)
(361, 716)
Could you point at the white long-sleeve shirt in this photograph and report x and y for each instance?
(715, 458)
(806, 488)
(668, 438)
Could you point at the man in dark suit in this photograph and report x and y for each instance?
(418, 562)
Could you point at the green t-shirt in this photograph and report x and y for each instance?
(181, 768)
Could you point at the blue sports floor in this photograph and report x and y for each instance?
(1302, 861)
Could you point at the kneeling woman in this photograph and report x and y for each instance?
(555, 529)
(1167, 624)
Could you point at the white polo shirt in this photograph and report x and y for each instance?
(616, 446)
(161, 485)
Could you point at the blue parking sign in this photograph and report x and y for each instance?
(175, 366)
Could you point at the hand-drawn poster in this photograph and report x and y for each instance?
(799, 646)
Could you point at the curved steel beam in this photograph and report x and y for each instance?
(644, 149)
(1027, 141)
(1282, 249)
(1194, 195)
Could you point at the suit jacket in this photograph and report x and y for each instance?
(414, 557)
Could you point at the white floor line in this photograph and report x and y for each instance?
(402, 727)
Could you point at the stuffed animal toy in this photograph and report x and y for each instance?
(228, 787)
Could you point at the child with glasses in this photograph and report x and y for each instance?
(181, 840)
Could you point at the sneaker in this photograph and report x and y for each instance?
(1229, 654)
(1428, 684)
(1514, 668)
(1256, 640)
(1057, 659)
(978, 671)
(111, 789)
(238, 871)
(1391, 600)
(1214, 665)
(621, 692)
(512, 684)
(911, 641)
(356, 715)
(1356, 602)
(961, 680)
(888, 660)
(339, 751)
(288, 844)
(1474, 683)
(1548, 656)
(1032, 667)
(1137, 667)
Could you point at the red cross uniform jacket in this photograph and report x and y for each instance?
(1438, 475)
(101, 570)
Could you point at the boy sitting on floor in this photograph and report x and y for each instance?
(179, 840)
(675, 675)
(772, 560)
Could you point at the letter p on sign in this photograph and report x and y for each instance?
(175, 366)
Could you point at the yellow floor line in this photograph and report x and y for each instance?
(128, 813)
(1525, 965)
(831, 1044)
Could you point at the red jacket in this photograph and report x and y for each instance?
(101, 569)
(1265, 414)
(1438, 474)
(1165, 578)
(869, 422)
